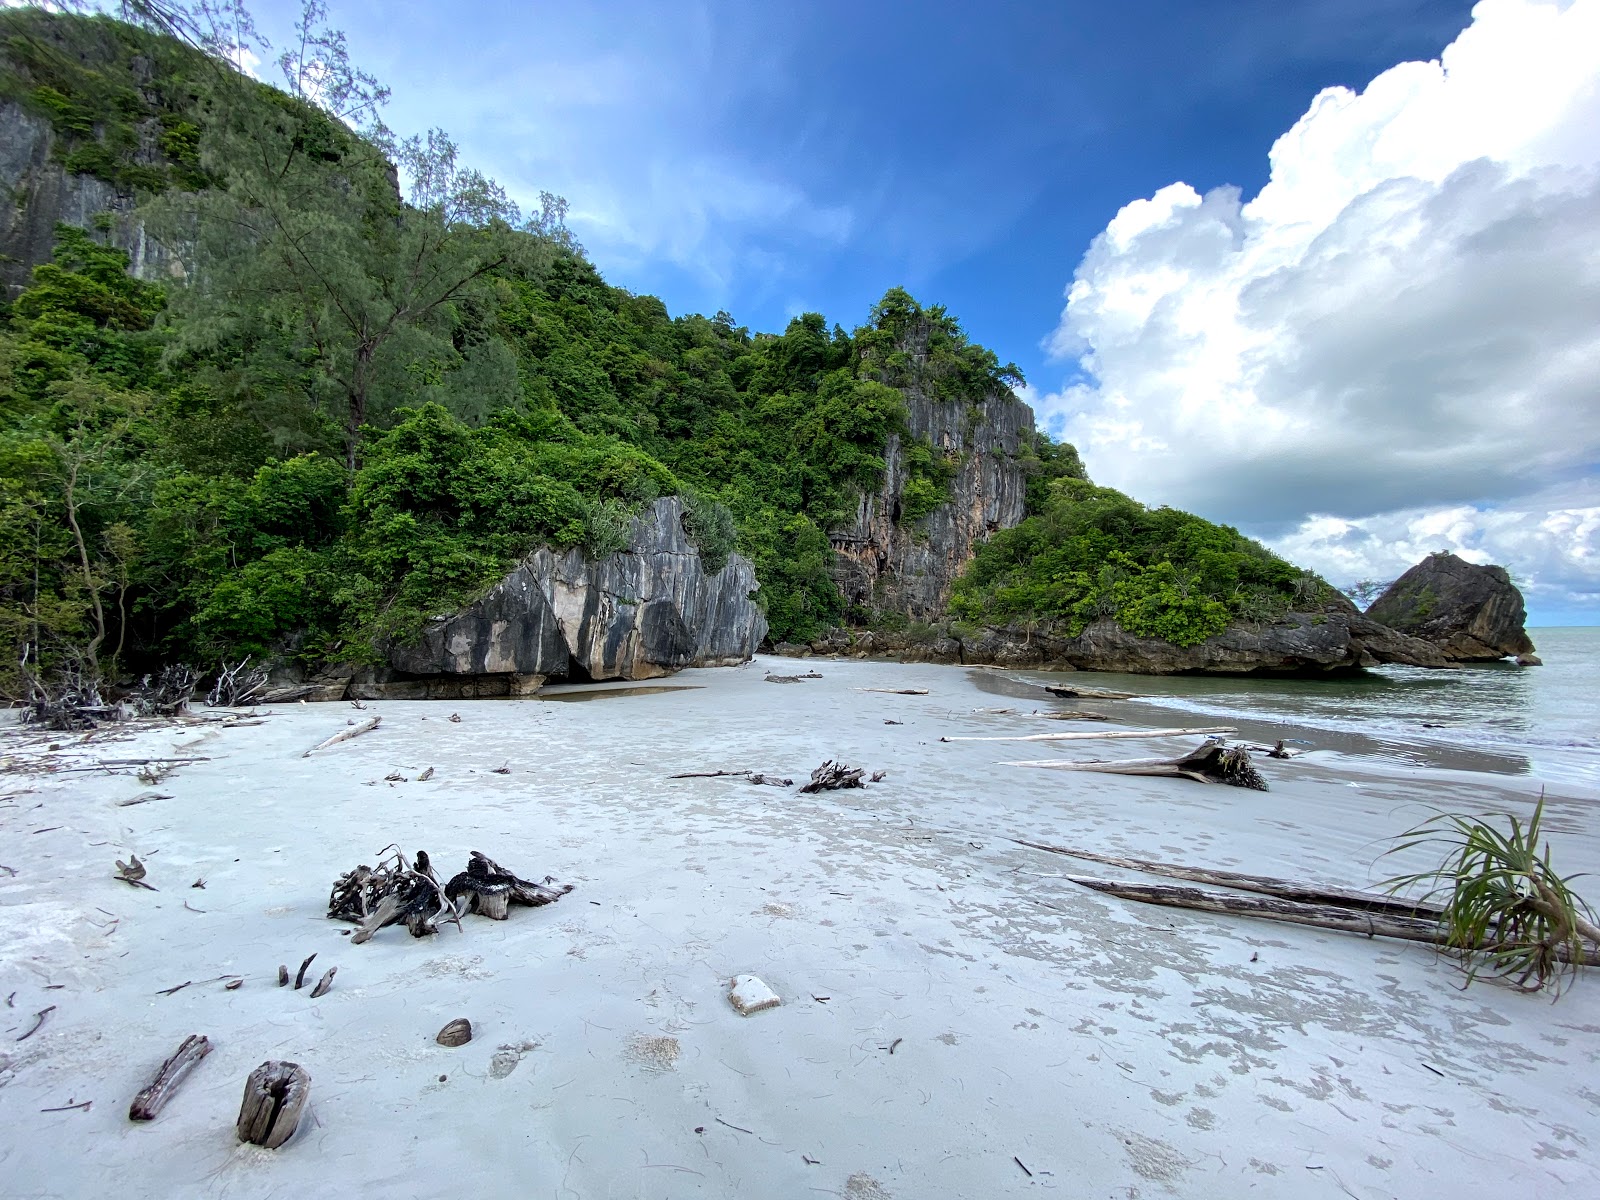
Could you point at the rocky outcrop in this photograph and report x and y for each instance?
(1471, 613)
(1333, 641)
(38, 192)
(641, 612)
(889, 564)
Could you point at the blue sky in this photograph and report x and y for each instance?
(769, 159)
(1377, 307)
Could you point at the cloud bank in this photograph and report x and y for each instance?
(1395, 346)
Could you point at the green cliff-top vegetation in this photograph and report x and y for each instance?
(354, 409)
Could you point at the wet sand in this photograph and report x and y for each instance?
(957, 1018)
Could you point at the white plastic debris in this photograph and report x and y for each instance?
(750, 995)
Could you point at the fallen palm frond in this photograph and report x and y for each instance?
(1505, 910)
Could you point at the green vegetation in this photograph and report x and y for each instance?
(359, 407)
(1506, 911)
(1089, 553)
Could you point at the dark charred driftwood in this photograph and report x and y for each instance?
(1209, 763)
(300, 975)
(396, 892)
(237, 685)
(832, 776)
(173, 1072)
(1267, 885)
(488, 889)
(1320, 916)
(390, 893)
(274, 1097)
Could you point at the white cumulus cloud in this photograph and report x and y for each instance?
(1400, 331)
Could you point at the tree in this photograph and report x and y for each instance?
(308, 264)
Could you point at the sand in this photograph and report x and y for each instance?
(957, 1020)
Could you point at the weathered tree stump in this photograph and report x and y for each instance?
(274, 1096)
(159, 1090)
(832, 776)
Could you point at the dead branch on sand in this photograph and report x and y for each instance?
(1267, 885)
(153, 1098)
(1210, 762)
(1321, 916)
(345, 735)
(749, 776)
(1100, 734)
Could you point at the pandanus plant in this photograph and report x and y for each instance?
(1506, 912)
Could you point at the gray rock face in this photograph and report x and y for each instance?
(641, 612)
(1471, 613)
(1299, 643)
(39, 192)
(908, 568)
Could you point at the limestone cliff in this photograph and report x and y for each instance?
(887, 562)
(1471, 613)
(641, 612)
(38, 192)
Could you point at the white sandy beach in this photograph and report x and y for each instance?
(957, 1020)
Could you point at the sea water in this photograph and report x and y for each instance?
(1495, 717)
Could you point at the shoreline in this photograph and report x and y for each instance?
(1107, 1046)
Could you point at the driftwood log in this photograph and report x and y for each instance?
(1084, 692)
(488, 889)
(895, 691)
(1075, 714)
(792, 678)
(395, 890)
(274, 1097)
(832, 776)
(1208, 763)
(1267, 885)
(1100, 734)
(1321, 916)
(749, 776)
(344, 735)
(173, 1072)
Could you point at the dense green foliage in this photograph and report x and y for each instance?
(359, 409)
(1090, 553)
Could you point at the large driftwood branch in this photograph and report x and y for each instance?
(895, 691)
(344, 735)
(1100, 734)
(1084, 692)
(1321, 916)
(1284, 889)
(173, 1072)
(1209, 763)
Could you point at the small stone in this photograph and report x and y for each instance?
(748, 995)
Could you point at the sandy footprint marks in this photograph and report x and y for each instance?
(507, 1057)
